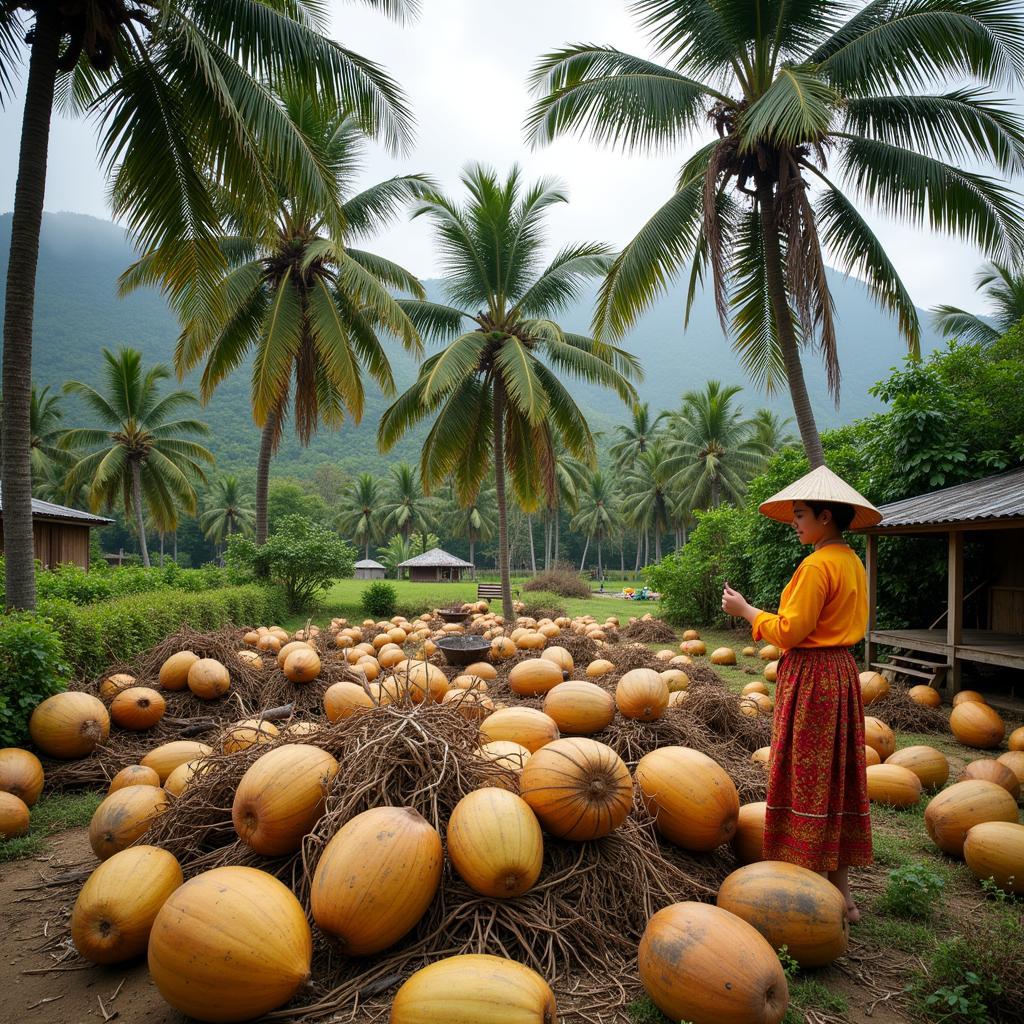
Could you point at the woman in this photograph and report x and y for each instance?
(817, 814)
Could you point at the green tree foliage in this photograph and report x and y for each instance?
(290, 498)
(712, 449)
(690, 579)
(359, 516)
(495, 391)
(963, 399)
(229, 510)
(32, 668)
(140, 458)
(301, 556)
(177, 90)
(405, 509)
(1003, 287)
(815, 107)
(297, 291)
(600, 513)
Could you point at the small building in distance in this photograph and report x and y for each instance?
(368, 569)
(435, 566)
(60, 534)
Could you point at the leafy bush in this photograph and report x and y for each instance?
(32, 668)
(379, 600)
(562, 580)
(543, 606)
(690, 580)
(302, 557)
(973, 981)
(911, 891)
(70, 582)
(97, 635)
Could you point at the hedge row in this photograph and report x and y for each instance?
(95, 636)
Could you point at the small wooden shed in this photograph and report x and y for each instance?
(435, 566)
(368, 569)
(988, 513)
(60, 534)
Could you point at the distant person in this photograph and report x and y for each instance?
(817, 814)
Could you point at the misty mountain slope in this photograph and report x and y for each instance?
(78, 312)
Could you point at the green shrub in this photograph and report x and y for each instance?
(98, 635)
(379, 600)
(69, 582)
(961, 984)
(543, 606)
(690, 580)
(911, 891)
(563, 580)
(32, 668)
(302, 557)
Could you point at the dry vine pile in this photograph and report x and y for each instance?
(902, 714)
(649, 631)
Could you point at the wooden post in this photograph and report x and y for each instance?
(871, 564)
(955, 607)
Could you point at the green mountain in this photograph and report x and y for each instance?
(78, 312)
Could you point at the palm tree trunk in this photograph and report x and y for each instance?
(174, 553)
(472, 546)
(263, 473)
(140, 522)
(639, 550)
(716, 491)
(26, 224)
(600, 568)
(583, 560)
(657, 544)
(784, 324)
(498, 411)
(533, 555)
(622, 557)
(162, 549)
(558, 536)
(367, 555)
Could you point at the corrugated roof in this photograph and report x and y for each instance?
(369, 563)
(436, 557)
(993, 497)
(48, 510)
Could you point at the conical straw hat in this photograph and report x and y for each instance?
(821, 484)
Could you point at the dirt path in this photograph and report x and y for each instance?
(62, 996)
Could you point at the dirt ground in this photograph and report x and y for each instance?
(34, 986)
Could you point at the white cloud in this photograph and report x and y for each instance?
(464, 66)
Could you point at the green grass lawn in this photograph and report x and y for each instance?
(54, 812)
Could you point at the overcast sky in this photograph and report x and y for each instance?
(464, 66)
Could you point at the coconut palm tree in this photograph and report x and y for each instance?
(1003, 286)
(711, 450)
(139, 456)
(771, 431)
(497, 403)
(474, 521)
(570, 474)
(300, 296)
(229, 510)
(647, 493)
(405, 509)
(175, 89)
(815, 107)
(635, 437)
(359, 516)
(45, 415)
(599, 514)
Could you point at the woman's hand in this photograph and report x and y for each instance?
(734, 603)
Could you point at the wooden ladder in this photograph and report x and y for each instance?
(912, 666)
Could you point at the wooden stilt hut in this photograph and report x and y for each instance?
(986, 515)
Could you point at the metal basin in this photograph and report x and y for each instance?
(463, 650)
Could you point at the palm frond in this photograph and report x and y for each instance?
(614, 97)
(952, 322)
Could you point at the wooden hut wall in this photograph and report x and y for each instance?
(1006, 596)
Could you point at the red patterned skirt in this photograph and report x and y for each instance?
(818, 814)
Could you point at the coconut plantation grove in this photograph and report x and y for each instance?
(512, 516)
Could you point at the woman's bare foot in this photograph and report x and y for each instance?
(852, 913)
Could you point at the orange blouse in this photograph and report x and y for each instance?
(825, 604)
